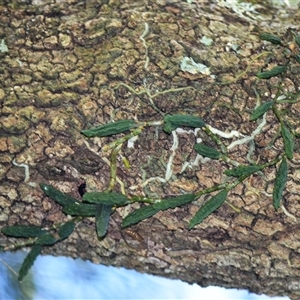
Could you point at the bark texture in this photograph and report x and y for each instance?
(61, 74)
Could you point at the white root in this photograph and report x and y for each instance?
(142, 38)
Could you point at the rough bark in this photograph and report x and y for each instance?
(60, 75)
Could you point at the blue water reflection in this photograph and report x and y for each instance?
(66, 278)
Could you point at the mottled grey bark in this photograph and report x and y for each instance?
(61, 73)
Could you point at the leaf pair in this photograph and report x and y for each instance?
(101, 212)
(280, 179)
(148, 211)
(171, 122)
(288, 138)
(70, 205)
(277, 41)
(278, 69)
(43, 238)
(42, 235)
(74, 207)
(99, 205)
(30, 231)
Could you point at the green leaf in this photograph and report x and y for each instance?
(297, 40)
(242, 171)
(171, 122)
(66, 229)
(108, 198)
(29, 260)
(56, 195)
(273, 72)
(46, 239)
(150, 210)
(270, 38)
(297, 57)
(288, 141)
(207, 151)
(110, 128)
(260, 110)
(103, 213)
(174, 202)
(279, 184)
(208, 208)
(80, 209)
(139, 215)
(25, 231)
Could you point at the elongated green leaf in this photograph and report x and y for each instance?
(66, 229)
(208, 208)
(273, 72)
(297, 57)
(80, 209)
(110, 128)
(279, 184)
(288, 141)
(103, 213)
(46, 239)
(28, 261)
(171, 122)
(139, 215)
(297, 40)
(57, 195)
(110, 198)
(270, 38)
(260, 110)
(207, 151)
(150, 210)
(25, 231)
(242, 171)
(174, 202)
